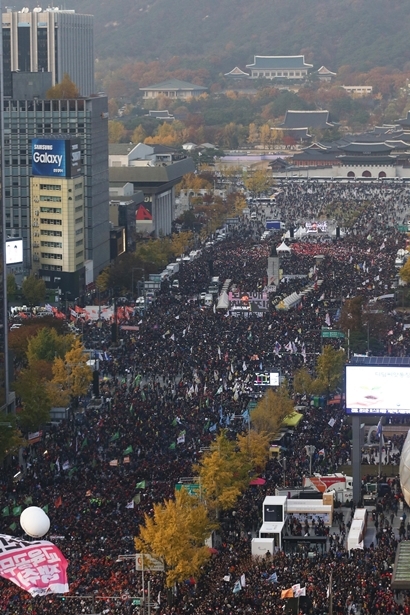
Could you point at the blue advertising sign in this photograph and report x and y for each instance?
(56, 157)
(49, 157)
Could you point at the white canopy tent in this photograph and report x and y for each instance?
(283, 248)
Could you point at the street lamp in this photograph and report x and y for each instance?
(310, 450)
(132, 277)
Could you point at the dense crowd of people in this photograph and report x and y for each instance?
(189, 371)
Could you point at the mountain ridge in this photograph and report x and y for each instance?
(334, 33)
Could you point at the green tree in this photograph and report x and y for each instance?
(302, 382)
(223, 474)
(270, 412)
(175, 533)
(47, 345)
(10, 436)
(257, 182)
(11, 287)
(351, 316)
(34, 290)
(65, 90)
(35, 400)
(329, 369)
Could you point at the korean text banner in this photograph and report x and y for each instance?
(38, 567)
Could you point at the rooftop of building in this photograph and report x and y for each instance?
(174, 84)
(279, 62)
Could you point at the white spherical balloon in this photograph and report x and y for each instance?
(34, 521)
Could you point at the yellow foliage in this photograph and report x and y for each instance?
(116, 131)
(405, 272)
(268, 415)
(257, 182)
(176, 533)
(223, 474)
(329, 369)
(254, 447)
(181, 242)
(71, 376)
(62, 91)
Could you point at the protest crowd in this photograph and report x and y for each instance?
(169, 387)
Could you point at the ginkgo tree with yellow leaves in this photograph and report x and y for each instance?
(223, 474)
(271, 410)
(175, 533)
(71, 375)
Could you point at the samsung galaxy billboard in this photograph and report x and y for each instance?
(56, 157)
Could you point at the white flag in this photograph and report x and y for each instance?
(300, 592)
(130, 504)
(243, 580)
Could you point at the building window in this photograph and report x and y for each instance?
(78, 220)
(51, 233)
(52, 268)
(51, 244)
(50, 255)
(49, 186)
(79, 231)
(50, 210)
(79, 254)
(50, 198)
(50, 221)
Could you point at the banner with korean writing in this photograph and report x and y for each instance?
(38, 567)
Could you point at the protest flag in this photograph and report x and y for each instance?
(172, 446)
(237, 587)
(17, 510)
(130, 504)
(141, 485)
(45, 508)
(137, 498)
(28, 500)
(5, 512)
(128, 450)
(115, 436)
(286, 593)
(243, 580)
(126, 459)
(13, 526)
(114, 463)
(58, 502)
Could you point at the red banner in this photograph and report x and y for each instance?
(38, 567)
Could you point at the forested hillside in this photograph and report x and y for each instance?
(359, 33)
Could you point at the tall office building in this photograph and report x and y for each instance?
(54, 41)
(85, 118)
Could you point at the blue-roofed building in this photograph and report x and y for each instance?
(279, 67)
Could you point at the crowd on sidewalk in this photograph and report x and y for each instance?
(187, 372)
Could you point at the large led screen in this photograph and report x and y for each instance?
(377, 389)
(14, 251)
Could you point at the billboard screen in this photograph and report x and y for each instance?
(267, 379)
(56, 157)
(14, 251)
(377, 389)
